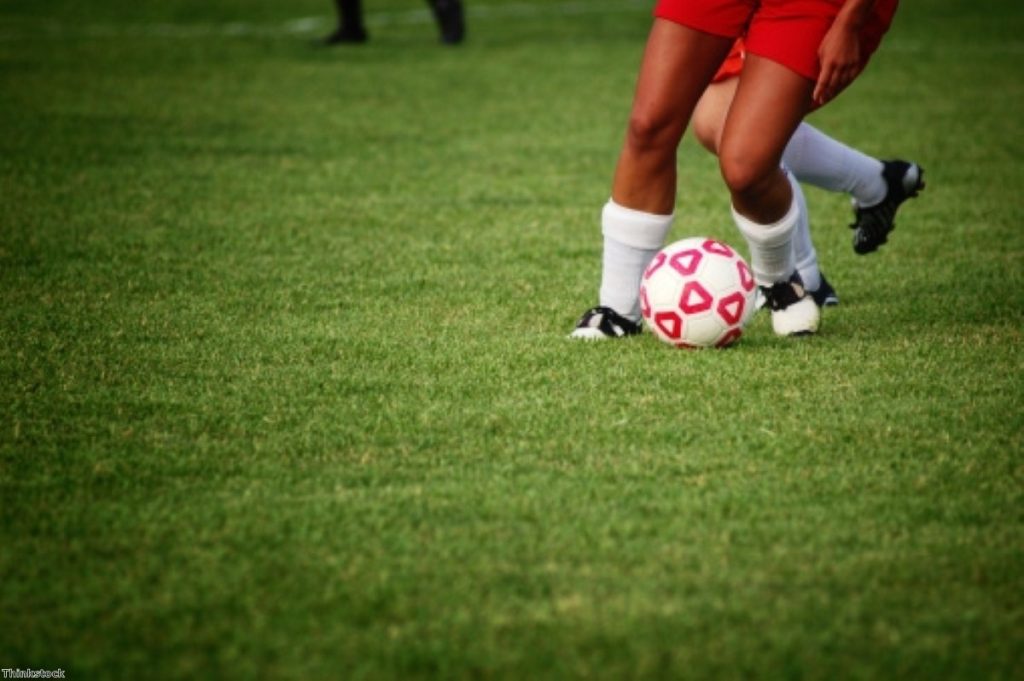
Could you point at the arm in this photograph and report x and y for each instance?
(839, 52)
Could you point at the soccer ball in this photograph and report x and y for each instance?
(697, 293)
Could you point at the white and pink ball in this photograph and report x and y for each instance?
(697, 293)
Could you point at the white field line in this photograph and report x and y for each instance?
(308, 25)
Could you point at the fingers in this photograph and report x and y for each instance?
(821, 88)
(839, 56)
(832, 80)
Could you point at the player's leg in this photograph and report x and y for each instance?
(769, 104)
(678, 63)
(707, 123)
(677, 66)
(350, 24)
(805, 257)
(877, 187)
(822, 161)
(450, 20)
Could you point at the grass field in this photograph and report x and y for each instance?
(284, 389)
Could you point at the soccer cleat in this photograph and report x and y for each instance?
(601, 322)
(873, 224)
(450, 20)
(347, 35)
(825, 295)
(794, 312)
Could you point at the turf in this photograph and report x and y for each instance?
(284, 389)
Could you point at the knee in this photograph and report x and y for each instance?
(648, 131)
(743, 174)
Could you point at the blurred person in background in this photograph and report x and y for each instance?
(352, 30)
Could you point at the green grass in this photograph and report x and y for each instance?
(284, 390)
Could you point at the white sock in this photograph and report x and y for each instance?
(771, 246)
(817, 159)
(804, 255)
(631, 239)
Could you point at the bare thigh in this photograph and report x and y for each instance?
(678, 64)
(770, 102)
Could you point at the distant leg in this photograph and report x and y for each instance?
(350, 24)
(450, 20)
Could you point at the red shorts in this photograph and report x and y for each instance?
(733, 63)
(788, 32)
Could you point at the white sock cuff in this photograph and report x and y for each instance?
(635, 228)
(774, 234)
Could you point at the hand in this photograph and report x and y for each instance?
(840, 59)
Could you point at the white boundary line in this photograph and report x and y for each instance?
(307, 25)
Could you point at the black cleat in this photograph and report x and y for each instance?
(873, 224)
(449, 20)
(599, 323)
